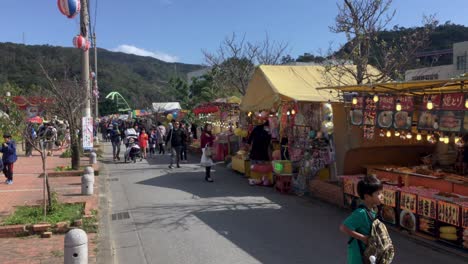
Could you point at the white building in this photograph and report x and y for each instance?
(454, 70)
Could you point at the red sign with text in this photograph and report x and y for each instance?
(407, 103)
(455, 101)
(387, 103)
(436, 101)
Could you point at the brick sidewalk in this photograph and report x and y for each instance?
(27, 189)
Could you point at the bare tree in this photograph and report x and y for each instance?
(69, 100)
(362, 21)
(234, 62)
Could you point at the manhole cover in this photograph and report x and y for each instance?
(120, 216)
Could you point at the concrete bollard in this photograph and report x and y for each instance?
(89, 170)
(87, 184)
(76, 247)
(92, 158)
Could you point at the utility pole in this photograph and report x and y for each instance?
(84, 25)
(96, 115)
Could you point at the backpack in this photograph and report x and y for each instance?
(379, 244)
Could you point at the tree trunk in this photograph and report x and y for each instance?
(75, 153)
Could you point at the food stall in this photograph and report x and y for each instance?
(412, 136)
(300, 119)
(223, 115)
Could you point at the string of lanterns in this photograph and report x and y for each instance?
(430, 137)
(71, 8)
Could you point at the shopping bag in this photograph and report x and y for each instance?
(208, 151)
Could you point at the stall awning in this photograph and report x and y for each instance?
(166, 107)
(272, 84)
(410, 87)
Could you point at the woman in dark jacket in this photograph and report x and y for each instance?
(9, 157)
(259, 140)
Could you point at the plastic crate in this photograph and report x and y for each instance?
(282, 167)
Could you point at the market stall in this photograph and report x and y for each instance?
(413, 137)
(300, 122)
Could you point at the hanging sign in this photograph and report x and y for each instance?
(455, 101)
(448, 213)
(408, 201)
(403, 120)
(387, 103)
(451, 121)
(370, 112)
(88, 133)
(428, 120)
(427, 207)
(436, 100)
(389, 197)
(407, 103)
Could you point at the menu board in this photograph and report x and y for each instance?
(389, 197)
(370, 112)
(386, 103)
(427, 207)
(407, 103)
(448, 213)
(427, 225)
(408, 201)
(465, 216)
(436, 100)
(451, 121)
(369, 132)
(385, 119)
(356, 117)
(454, 101)
(350, 185)
(403, 120)
(428, 120)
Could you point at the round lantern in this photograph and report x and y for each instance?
(69, 8)
(80, 42)
(169, 117)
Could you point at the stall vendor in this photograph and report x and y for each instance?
(260, 140)
(444, 154)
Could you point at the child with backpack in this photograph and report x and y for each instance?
(369, 239)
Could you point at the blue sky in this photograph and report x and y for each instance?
(178, 30)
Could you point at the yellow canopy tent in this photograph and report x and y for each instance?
(270, 85)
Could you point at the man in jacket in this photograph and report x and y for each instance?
(116, 142)
(176, 136)
(9, 157)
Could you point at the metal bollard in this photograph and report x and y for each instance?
(76, 247)
(92, 158)
(87, 184)
(89, 170)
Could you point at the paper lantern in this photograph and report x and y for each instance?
(69, 8)
(80, 42)
(169, 117)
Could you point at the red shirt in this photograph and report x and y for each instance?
(206, 139)
(143, 140)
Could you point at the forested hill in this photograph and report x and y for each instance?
(140, 79)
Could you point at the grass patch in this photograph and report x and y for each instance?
(63, 168)
(66, 154)
(89, 224)
(25, 215)
(57, 253)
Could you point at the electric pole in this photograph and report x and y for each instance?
(96, 115)
(84, 25)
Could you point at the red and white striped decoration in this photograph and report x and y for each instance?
(70, 8)
(81, 42)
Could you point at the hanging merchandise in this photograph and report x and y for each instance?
(69, 8)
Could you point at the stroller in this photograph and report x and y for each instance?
(133, 150)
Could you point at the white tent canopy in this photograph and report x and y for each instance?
(166, 107)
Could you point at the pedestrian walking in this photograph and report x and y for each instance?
(143, 142)
(152, 140)
(206, 143)
(161, 137)
(9, 157)
(116, 142)
(360, 223)
(176, 137)
(183, 151)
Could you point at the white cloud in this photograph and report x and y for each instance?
(142, 52)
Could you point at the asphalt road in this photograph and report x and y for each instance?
(173, 216)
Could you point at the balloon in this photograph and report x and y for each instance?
(69, 8)
(80, 42)
(170, 117)
(175, 114)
